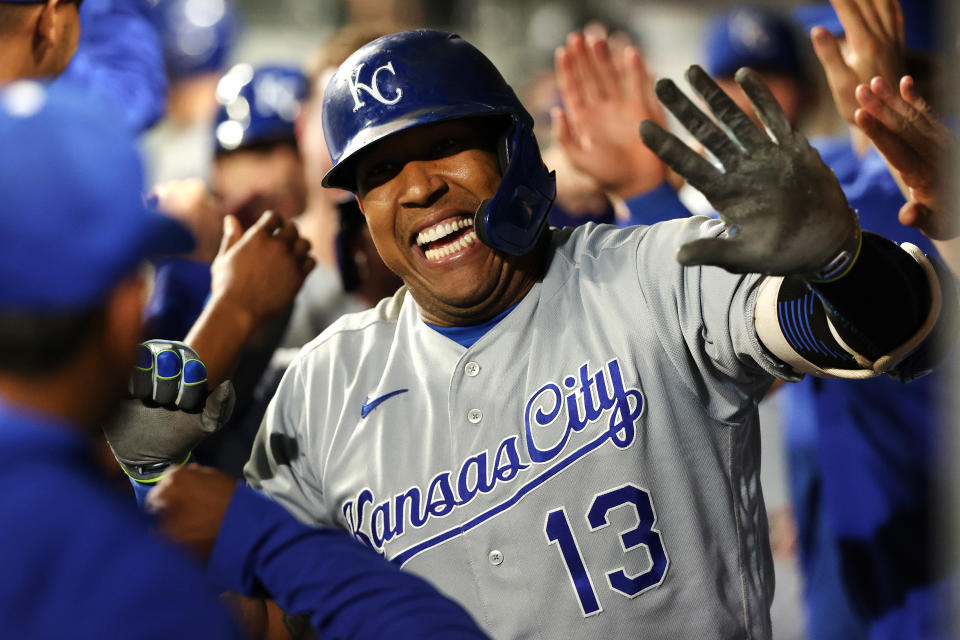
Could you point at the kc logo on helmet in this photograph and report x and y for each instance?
(373, 88)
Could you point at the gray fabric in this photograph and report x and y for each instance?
(613, 300)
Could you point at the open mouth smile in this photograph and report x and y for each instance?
(446, 239)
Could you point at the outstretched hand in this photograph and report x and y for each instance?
(606, 96)
(786, 212)
(916, 145)
(874, 46)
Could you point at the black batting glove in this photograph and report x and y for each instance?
(784, 208)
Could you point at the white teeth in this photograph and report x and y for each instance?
(442, 229)
(448, 249)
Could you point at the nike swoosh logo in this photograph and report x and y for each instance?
(373, 404)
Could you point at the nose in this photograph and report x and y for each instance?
(422, 184)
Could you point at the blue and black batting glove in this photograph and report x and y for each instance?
(170, 410)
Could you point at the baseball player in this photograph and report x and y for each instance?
(559, 429)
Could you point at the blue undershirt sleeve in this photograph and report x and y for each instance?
(347, 590)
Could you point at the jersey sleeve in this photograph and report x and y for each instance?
(280, 461)
(704, 316)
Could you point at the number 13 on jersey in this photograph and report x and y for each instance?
(644, 535)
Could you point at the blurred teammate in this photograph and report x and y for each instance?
(257, 165)
(67, 348)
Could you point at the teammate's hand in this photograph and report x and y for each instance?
(195, 207)
(605, 98)
(785, 209)
(916, 145)
(190, 503)
(874, 47)
(169, 412)
(259, 272)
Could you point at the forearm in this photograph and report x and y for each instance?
(891, 313)
(219, 336)
(347, 590)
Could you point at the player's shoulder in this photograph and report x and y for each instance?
(354, 330)
(593, 241)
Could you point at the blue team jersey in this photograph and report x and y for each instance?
(80, 561)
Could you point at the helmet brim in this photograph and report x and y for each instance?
(343, 175)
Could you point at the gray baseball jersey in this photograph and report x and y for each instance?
(588, 468)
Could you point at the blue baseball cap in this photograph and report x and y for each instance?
(257, 105)
(73, 221)
(754, 37)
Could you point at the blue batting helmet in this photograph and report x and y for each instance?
(413, 78)
(257, 105)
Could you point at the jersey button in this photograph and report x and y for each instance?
(472, 369)
(496, 558)
(474, 416)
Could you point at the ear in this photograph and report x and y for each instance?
(45, 29)
(360, 204)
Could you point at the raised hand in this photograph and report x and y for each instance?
(874, 47)
(785, 209)
(256, 275)
(605, 98)
(260, 271)
(916, 145)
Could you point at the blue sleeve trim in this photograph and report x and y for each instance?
(656, 206)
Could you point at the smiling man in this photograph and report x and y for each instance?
(559, 428)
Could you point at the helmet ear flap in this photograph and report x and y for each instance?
(513, 219)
